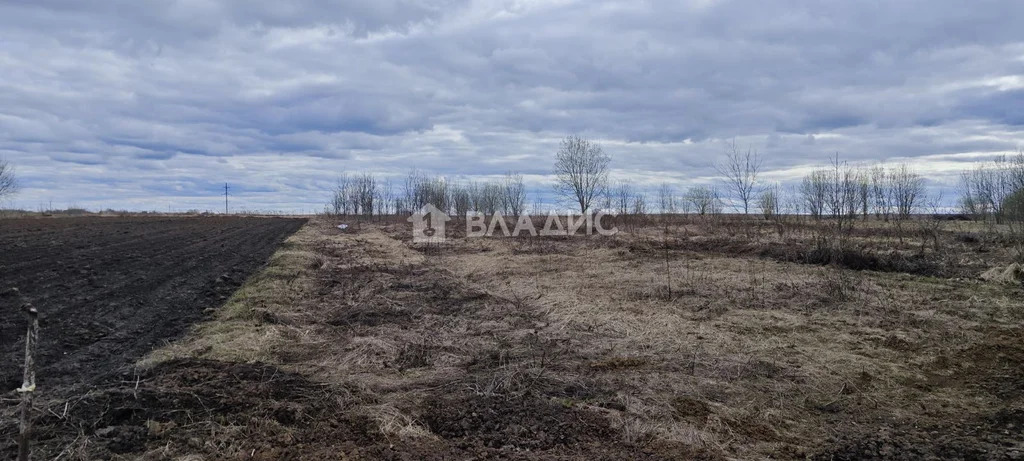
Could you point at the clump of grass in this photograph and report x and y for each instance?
(840, 285)
(619, 363)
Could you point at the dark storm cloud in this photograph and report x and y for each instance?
(148, 103)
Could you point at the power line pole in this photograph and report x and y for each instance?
(225, 198)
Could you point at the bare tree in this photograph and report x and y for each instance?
(842, 190)
(740, 170)
(639, 204)
(8, 182)
(864, 193)
(513, 194)
(385, 195)
(538, 206)
(907, 189)
(837, 192)
(685, 206)
(490, 198)
(623, 195)
(814, 192)
(704, 200)
(792, 203)
(972, 200)
(581, 167)
(462, 199)
(412, 188)
(340, 204)
(842, 194)
(420, 189)
(666, 199)
(359, 195)
(365, 190)
(880, 193)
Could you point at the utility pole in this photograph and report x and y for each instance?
(225, 198)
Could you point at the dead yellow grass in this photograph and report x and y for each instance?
(763, 342)
(738, 354)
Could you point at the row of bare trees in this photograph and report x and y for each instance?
(842, 190)
(361, 195)
(506, 196)
(839, 192)
(582, 178)
(625, 199)
(365, 195)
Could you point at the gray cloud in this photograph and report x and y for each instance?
(149, 104)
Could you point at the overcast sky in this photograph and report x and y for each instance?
(156, 104)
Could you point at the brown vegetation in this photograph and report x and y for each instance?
(686, 338)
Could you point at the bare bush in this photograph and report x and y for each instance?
(1013, 209)
(365, 190)
(339, 197)
(704, 199)
(835, 193)
(513, 196)
(358, 195)
(462, 199)
(490, 200)
(770, 202)
(985, 189)
(973, 201)
(420, 189)
(880, 195)
(931, 227)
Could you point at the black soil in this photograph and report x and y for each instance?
(109, 290)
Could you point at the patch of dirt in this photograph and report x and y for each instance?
(213, 409)
(992, 437)
(522, 423)
(990, 367)
(109, 290)
(993, 366)
(690, 408)
(217, 410)
(619, 363)
(531, 423)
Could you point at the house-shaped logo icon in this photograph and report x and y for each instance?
(428, 232)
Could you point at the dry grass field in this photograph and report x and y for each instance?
(686, 339)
